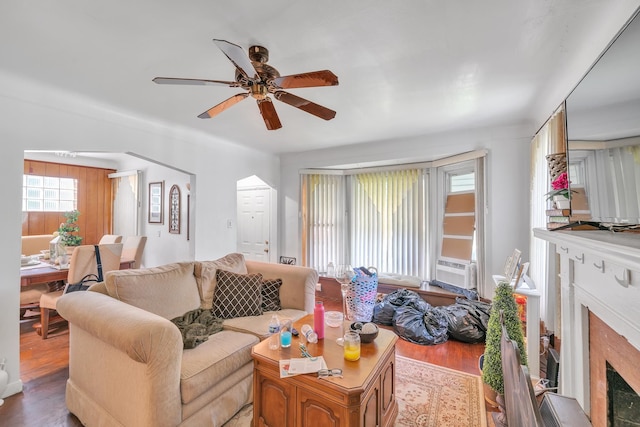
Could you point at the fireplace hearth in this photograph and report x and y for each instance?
(614, 374)
(623, 407)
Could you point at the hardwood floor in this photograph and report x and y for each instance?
(44, 371)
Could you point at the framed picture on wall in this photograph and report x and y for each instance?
(156, 202)
(174, 210)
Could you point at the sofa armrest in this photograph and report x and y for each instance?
(298, 283)
(126, 359)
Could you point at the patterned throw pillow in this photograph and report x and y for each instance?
(271, 295)
(237, 295)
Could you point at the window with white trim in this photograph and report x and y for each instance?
(49, 194)
(459, 219)
(389, 218)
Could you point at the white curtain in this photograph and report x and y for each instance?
(126, 202)
(388, 221)
(481, 208)
(324, 220)
(542, 269)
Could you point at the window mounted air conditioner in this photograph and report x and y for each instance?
(458, 274)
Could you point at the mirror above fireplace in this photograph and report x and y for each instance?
(603, 132)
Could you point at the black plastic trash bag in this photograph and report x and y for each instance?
(418, 323)
(384, 310)
(460, 325)
(466, 320)
(436, 325)
(478, 310)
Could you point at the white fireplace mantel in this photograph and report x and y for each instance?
(599, 272)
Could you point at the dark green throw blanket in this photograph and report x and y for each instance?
(196, 326)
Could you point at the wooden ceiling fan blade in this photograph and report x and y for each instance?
(311, 79)
(269, 114)
(238, 57)
(195, 82)
(230, 102)
(305, 105)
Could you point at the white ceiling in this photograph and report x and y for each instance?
(405, 68)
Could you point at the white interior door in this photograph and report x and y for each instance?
(254, 206)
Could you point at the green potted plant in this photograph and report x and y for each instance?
(504, 302)
(67, 237)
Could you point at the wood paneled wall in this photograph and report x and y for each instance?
(95, 201)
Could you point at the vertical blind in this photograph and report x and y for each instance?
(374, 219)
(323, 222)
(388, 221)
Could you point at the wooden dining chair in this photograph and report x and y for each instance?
(110, 238)
(132, 249)
(83, 262)
(30, 299)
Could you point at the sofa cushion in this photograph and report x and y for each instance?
(271, 294)
(237, 295)
(205, 272)
(212, 361)
(168, 291)
(400, 280)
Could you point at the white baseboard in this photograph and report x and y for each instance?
(12, 388)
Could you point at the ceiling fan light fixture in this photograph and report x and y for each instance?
(259, 91)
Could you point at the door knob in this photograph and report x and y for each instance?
(266, 250)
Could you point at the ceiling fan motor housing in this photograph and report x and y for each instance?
(259, 54)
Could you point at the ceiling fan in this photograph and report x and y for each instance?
(259, 80)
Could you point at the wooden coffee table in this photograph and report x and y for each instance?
(365, 396)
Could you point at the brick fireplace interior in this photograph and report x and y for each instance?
(608, 348)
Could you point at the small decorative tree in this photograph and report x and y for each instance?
(505, 302)
(68, 229)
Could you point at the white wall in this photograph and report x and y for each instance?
(163, 247)
(507, 182)
(35, 117)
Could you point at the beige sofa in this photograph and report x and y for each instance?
(127, 365)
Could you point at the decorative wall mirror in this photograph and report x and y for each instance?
(156, 202)
(174, 210)
(603, 130)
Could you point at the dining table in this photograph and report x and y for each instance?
(44, 271)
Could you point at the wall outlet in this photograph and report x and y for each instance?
(229, 223)
(158, 233)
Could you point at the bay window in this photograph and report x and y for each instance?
(391, 218)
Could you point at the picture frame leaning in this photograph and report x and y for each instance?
(512, 265)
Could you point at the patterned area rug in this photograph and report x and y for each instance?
(428, 396)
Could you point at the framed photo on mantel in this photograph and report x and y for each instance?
(156, 202)
(512, 265)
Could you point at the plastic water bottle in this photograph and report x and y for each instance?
(318, 319)
(274, 328)
(331, 269)
(308, 333)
